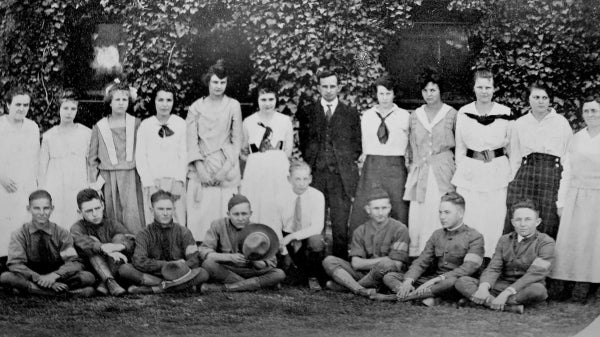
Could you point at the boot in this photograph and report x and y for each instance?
(414, 296)
(143, 290)
(101, 289)
(150, 280)
(384, 297)
(332, 285)
(35, 290)
(250, 284)
(211, 287)
(114, 288)
(83, 292)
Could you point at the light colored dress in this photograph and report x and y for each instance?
(577, 249)
(19, 153)
(265, 174)
(63, 170)
(163, 160)
(431, 169)
(111, 161)
(483, 185)
(214, 138)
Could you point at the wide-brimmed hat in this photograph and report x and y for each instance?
(176, 273)
(258, 242)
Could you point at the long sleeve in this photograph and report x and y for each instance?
(303, 130)
(183, 154)
(17, 257)
(192, 258)
(317, 217)
(565, 177)
(356, 136)
(515, 150)
(460, 151)
(141, 259)
(472, 260)
(44, 161)
(237, 134)
(494, 269)
(539, 268)
(93, 158)
(288, 138)
(85, 243)
(211, 241)
(193, 147)
(142, 163)
(420, 265)
(72, 263)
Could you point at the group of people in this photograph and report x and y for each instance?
(216, 203)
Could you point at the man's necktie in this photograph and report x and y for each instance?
(328, 113)
(382, 132)
(165, 131)
(45, 261)
(265, 143)
(165, 245)
(297, 215)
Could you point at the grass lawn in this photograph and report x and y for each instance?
(286, 312)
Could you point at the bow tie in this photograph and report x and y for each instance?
(165, 131)
(489, 119)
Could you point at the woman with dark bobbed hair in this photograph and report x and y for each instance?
(160, 154)
(384, 130)
(214, 139)
(431, 137)
(538, 146)
(268, 143)
(111, 159)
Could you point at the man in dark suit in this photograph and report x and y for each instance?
(330, 142)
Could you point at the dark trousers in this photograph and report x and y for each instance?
(74, 281)
(309, 258)
(338, 202)
(531, 294)
(129, 273)
(227, 274)
(443, 288)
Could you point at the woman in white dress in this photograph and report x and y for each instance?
(160, 154)
(577, 250)
(63, 162)
(19, 154)
(431, 137)
(482, 167)
(214, 140)
(268, 143)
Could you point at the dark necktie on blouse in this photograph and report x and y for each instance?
(489, 119)
(382, 132)
(165, 131)
(265, 143)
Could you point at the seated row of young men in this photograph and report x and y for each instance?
(241, 256)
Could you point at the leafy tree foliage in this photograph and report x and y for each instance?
(555, 42)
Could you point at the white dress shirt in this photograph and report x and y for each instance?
(333, 104)
(397, 124)
(313, 213)
(157, 157)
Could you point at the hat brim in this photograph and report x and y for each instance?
(184, 279)
(268, 231)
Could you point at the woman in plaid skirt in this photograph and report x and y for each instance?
(538, 145)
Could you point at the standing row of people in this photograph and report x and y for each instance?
(410, 156)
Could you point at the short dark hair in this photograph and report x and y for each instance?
(267, 86)
(218, 69)
(40, 194)
(161, 86)
(160, 195)
(326, 73)
(86, 195)
(387, 82)
(298, 165)
(591, 98)
(431, 75)
(454, 198)
(15, 91)
(526, 203)
(539, 86)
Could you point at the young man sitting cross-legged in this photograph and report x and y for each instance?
(41, 257)
(379, 246)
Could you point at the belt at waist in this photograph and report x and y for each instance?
(255, 148)
(536, 157)
(486, 155)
